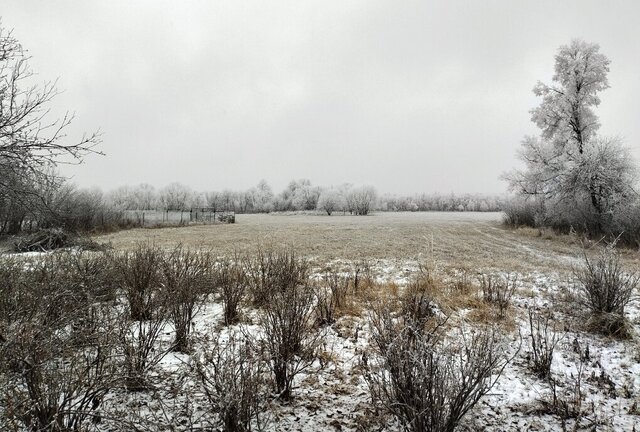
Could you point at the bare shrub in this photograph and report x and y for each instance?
(521, 212)
(142, 348)
(332, 296)
(362, 277)
(543, 341)
(49, 285)
(425, 378)
(606, 289)
(185, 274)
(56, 350)
(91, 273)
(232, 281)
(232, 377)
(272, 270)
(11, 275)
(288, 335)
(140, 282)
(566, 401)
(417, 305)
(497, 291)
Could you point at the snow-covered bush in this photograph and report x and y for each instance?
(605, 289)
(426, 379)
(185, 280)
(232, 377)
(289, 337)
(272, 270)
(232, 282)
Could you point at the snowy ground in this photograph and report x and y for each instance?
(334, 396)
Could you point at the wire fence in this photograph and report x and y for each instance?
(178, 217)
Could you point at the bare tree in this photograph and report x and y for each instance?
(176, 196)
(30, 141)
(362, 200)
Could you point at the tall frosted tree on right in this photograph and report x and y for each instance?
(580, 178)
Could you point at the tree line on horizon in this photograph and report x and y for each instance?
(84, 209)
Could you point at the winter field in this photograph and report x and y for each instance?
(450, 239)
(594, 381)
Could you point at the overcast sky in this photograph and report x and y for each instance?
(408, 96)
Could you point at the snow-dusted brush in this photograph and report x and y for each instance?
(605, 289)
(185, 279)
(232, 280)
(139, 279)
(426, 375)
(289, 336)
(57, 346)
(272, 269)
(233, 378)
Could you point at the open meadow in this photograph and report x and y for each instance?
(474, 241)
(593, 390)
(308, 322)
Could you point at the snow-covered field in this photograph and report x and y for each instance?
(600, 390)
(334, 396)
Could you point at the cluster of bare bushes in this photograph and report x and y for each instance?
(76, 328)
(424, 371)
(622, 225)
(80, 331)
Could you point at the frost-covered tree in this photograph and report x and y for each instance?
(361, 200)
(263, 197)
(298, 195)
(330, 200)
(214, 200)
(570, 166)
(176, 196)
(145, 197)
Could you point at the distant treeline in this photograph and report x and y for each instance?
(62, 204)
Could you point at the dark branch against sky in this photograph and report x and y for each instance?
(407, 96)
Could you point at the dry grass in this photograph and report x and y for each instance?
(472, 240)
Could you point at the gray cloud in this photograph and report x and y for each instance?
(407, 96)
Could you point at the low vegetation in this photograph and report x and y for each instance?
(605, 289)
